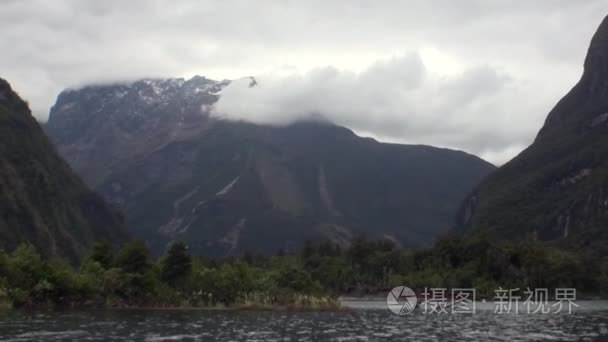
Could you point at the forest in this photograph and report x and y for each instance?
(312, 278)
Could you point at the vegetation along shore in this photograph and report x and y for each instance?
(313, 278)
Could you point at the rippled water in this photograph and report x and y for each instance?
(368, 321)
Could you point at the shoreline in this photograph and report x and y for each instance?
(331, 305)
(237, 308)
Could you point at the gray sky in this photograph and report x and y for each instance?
(475, 75)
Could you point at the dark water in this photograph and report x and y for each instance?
(369, 321)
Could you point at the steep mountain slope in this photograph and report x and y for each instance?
(41, 200)
(152, 148)
(557, 188)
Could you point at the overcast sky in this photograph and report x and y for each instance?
(475, 75)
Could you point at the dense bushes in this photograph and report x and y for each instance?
(482, 263)
(478, 261)
(129, 277)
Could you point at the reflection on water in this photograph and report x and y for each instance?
(368, 321)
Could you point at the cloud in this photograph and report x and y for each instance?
(398, 99)
(530, 49)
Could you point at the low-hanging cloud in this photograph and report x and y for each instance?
(526, 54)
(398, 99)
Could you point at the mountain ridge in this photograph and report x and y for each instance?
(42, 201)
(228, 186)
(556, 189)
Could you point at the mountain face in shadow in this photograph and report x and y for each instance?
(556, 189)
(42, 201)
(151, 148)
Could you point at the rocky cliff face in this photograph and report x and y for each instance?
(42, 201)
(97, 128)
(556, 189)
(151, 148)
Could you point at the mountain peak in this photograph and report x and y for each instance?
(5, 90)
(555, 189)
(9, 98)
(228, 186)
(174, 98)
(588, 99)
(596, 62)
(597, 54)
(42, 201)
(4, 85)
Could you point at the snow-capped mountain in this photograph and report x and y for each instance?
(151, 148)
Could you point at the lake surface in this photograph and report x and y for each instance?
(367, 321)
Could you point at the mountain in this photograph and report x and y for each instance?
(42, 201)
(557, 188)
(152, 148)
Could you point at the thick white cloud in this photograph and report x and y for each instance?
(473, 74)
(398, 99)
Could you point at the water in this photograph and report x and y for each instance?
(367, 321)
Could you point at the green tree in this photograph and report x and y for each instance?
(296, 279)
(176, 264)
(101, 252)
(133, 257)
(25, 267)
(308, 250)
(326, 248)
